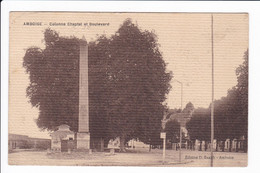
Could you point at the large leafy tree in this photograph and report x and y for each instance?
(53, 74)
(188, 108)
(230, 112)
(128, 83)
(239, 98)
(223, 119)
(242, 92)
(140, 83)
(231, 120)
(199, 125)
(172, 130)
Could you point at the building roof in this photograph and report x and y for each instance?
(24, 137)
(63, 127)
(17, 137)
(63, 131)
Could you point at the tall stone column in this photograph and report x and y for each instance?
(83, 135)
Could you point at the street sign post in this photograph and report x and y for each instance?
(163, 136)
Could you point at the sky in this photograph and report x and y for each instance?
(185, 43)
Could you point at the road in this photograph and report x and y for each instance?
(136, 157)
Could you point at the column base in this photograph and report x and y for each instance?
(83, 141)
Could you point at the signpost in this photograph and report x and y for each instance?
(163, 136)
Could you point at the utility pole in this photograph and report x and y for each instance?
(212, 102)
(180, 120)
(181, 123)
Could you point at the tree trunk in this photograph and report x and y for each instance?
(217, 145)
(245, 145)
(150, 147)
(122, 144)
(206, 145)
(230, 145)
(237, 146)
(200, 146)
(101, 144)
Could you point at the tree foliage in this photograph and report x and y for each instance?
(199, 125)
(128, 83)
(230, 112)
(188, 108)
(53, 74)
(139, 84)
(172, 130)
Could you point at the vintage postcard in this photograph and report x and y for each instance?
(128, 89)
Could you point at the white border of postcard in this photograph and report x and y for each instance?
(130, 6)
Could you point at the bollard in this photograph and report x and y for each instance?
(112, 151)
(48, 151)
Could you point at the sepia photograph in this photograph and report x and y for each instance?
(128, 89)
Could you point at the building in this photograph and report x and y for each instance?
(16, 141)
(63, 139)
(133, 143)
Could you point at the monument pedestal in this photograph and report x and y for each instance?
(83, 141)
